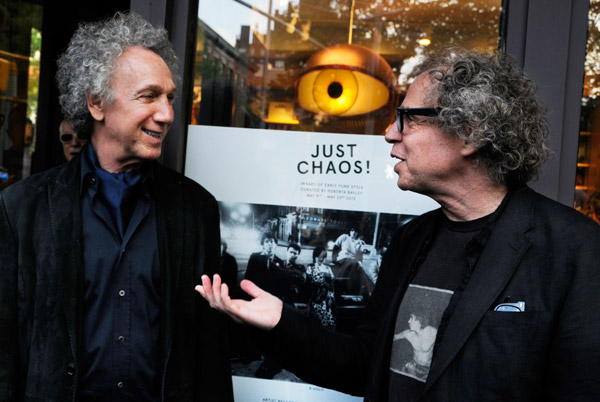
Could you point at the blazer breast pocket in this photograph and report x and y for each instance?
(508, 349)
(509, 319)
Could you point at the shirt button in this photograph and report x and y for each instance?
(121, 338)
(121, 293)
(120, 384)
(92, 180)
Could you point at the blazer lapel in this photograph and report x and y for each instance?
(171, 234)
(65, 226)
(501, 256)
(170, 224)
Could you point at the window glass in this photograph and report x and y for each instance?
(322, 65)
(20, 45)
(305, 214)
(587, 183)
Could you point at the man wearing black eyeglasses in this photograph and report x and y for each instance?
(71, 142)
(508, 279)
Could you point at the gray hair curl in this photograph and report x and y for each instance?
(488, 102)
(86, 67)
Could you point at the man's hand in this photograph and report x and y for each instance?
(264, 311)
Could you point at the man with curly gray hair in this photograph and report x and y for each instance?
(509, 277)
(99, 256)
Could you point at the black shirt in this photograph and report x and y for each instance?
(429, 300)
(121, 324)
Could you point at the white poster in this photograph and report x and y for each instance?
(322, 207)
(252, 390)
(319, 170)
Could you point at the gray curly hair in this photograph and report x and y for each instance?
(488, 102)
(86, 67)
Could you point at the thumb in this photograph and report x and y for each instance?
(250, 288)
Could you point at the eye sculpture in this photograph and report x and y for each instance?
(346, 81)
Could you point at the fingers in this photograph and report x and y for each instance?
(200, 290)
(205, 289)
(212, 292)
(221, 298)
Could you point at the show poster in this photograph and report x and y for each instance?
(314, 190)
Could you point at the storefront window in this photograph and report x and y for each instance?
(322, 65)
(587, 184)
(281, 90)
(20, 45)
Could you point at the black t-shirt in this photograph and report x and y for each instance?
(443, 271)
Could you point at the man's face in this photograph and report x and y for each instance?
(292, 255)
(131, 128)
(430, 159)
(71, 143)
(269, 246)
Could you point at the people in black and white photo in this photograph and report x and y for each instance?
(321, 289)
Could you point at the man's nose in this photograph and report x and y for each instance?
(393, 134)
(164, 112)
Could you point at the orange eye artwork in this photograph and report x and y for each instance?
(341, 92)
(345, 80)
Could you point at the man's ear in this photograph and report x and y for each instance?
(467, 149)
(96, 107)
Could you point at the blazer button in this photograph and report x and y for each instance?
(70, 370)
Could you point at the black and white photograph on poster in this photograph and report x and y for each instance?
(416, 329)
(324, 262)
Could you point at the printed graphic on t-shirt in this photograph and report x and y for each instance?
(417, 325)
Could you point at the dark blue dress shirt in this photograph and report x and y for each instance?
(120, 358)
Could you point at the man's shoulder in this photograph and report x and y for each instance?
(343, 237)
(229, 258)
(551, 214)
(31, 187)
(167, 178)
(547, 223)
(257, 257)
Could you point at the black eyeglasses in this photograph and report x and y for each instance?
(68, 137)
(414, 111)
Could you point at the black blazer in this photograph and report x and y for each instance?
(540, 252)
(41, 288)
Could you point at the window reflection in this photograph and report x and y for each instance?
(322, 65)
(20, 46)
(587, 183)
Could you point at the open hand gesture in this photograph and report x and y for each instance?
(263, 311)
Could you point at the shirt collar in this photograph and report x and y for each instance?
(89, 164)
(485, 232)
